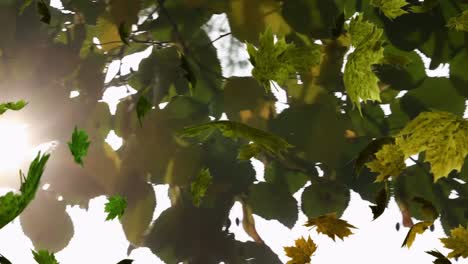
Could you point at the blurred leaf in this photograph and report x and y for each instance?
(43, 11)
(279, 61)
(107, 33)
(4, 260)
(79, 145)
(459, 23)
(425, 6)
(389, 161)
(441, 259)
(457, 242)
(325, 197)
(301, 252)
(331, 226)
(142, 108)
(417, 228)
(44, 257)
(457, 73)
(126, 261)
(359, 79)
(381, 202)
(199, 186)
(442, 136)
(11, 204)
(248, 223)
(12, 106)
(273, 201)
(428, 209)
(124, 33)
(115, 207)
(391, 8)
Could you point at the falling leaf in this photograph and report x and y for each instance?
(440, 258)
(381, 202)
(268, 143)
(142, 108)
(457, 242)
(43, 11)
(360, 81)
(391, 8)
(115, 207)
(417, 228)
(442, 136)
(459, 23)
(199, 186)
(11, 204)
(79, 145)
(25, 5)
(279, 61)
(301, 252)
(44, 257)
(331, 226)
(15, 106)
(389, 161)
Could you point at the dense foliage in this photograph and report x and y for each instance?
(337, 68)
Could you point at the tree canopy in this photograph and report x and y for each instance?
(339, 63)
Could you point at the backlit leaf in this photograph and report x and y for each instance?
(115, 207)
(359, 79)
(280, 61)
(368, 153)
(389, 161)
(331, 226)
(442, 136)
(44, 257)
(12, 204)
(12, 106)
(301, 252)
(200, 185)
(79, 145)
(391, 8)
(417, 228)
(43, 10)
(459, 23)
(457, 242)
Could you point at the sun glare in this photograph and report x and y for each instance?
(14, 145)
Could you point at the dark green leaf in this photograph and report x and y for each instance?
(79, 145)
(124, 33)
(43, 11)
(142, 108)
(126, 261)
(325, 197)
(199, 186)
(115, 207)
(4, 260)
(440, 258)
(381, 201)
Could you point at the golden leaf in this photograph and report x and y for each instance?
(418, 228)
(301, 252)
(331, 226)
(457, 242)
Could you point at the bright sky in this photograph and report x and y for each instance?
(104, 242)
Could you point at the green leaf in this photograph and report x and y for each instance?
(381, 201)
(391, 8)
(325, 197)
(457, 242)
(360, 81)
(124, 33)
(428, 209)
(424, 7)
(442, 136)
(389, 161)
(268, 143)
(142, 108)
(440, 258)
(79, 145)
(43, 11)
(418, 228)
(11, 204)
(44, 257)
(280, 61)
(368, 153)
(115, 207)
(4, 260)
(200, 185)
(25, 5)
(12, 106)
(459, 23)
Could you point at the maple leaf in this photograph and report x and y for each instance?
(391, 8)
(200, 185)
(457, 242)
(44, 257)
(360, 81)
(440, 258)
(301, 252)
(279, 61)
(442, 136)
(79, 145)
(115, 207)
(389, 161)
(459, 23)
(417, 228)
(15, 106)
(331, 226)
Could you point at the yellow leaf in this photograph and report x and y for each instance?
(108, 34)
(389, 161)
(301, 252)
(457, 242)
(418, 228)
(331, 226)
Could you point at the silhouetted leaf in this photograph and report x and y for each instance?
(126, 261)
(4, 260)
(440, 258)
(43, 11)
(381, 201)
